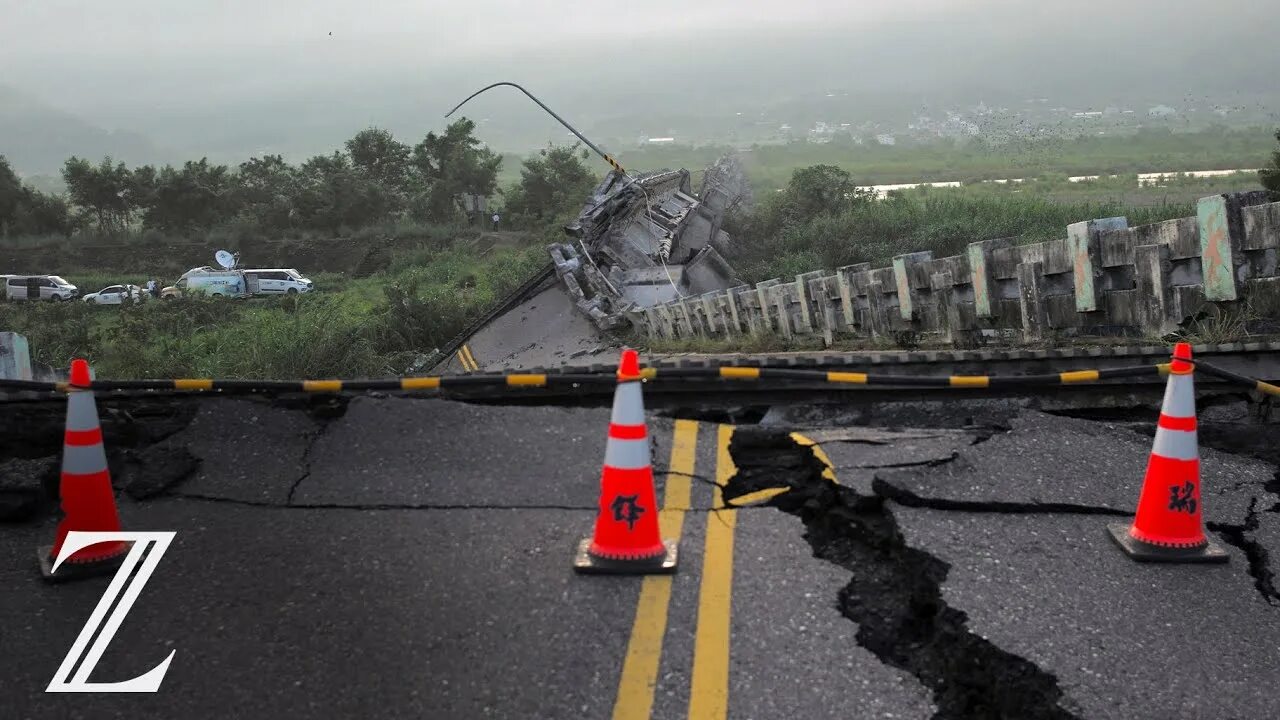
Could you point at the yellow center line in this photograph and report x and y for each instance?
(469, 359)
(758, 496)
(644, 649)
(709, 688)
(828, 472)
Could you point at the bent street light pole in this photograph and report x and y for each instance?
(601, 153)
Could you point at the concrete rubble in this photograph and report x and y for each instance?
(649, 240)
(641, 240)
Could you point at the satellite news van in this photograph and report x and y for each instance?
(227, 282)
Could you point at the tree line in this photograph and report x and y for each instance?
(374, 178)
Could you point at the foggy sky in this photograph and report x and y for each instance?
(240, 75)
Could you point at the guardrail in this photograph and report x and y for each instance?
(1098, 277)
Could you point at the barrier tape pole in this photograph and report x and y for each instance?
(1263, 387)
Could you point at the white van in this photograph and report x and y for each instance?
(38, 287)
(279, 281)
(206, 280)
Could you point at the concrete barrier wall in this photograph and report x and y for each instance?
(1102, 278)
(16, 362)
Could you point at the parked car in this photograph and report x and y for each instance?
(279, 281)
(116, 295)
(38, 287)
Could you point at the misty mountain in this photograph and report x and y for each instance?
(38, 138)
(298, 90)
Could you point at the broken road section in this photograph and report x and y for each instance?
(1000, 590)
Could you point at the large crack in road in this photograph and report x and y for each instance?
(895, 593)
(1259, 558)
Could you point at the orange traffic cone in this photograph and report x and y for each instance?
(627, 539)
(88, 502)
(1167, 526)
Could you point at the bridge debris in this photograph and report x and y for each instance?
(641, 240)
(648, 240)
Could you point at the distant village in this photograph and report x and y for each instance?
(1033, 118)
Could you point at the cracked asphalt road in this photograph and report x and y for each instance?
(412, 558)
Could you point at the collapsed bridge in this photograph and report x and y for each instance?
(639, 241)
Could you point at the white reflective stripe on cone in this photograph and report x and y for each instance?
(83, 459)
(1175, 444)
(627, 454)
(628, 405)
(82, 412)
(1180, 397)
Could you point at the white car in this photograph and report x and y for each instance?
(279, 281)
(37, 287)
(115, 295)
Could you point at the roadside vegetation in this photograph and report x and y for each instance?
(412, 202)
(381, 325)
(821, 220)
(415, 204)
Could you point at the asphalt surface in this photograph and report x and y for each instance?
(413, 558)
(520, 338)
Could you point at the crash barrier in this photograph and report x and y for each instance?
(837, 378)
(1096, 277)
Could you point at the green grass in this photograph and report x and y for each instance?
(351, 327)
(1154, 150)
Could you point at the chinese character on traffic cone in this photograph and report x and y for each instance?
(88, 502)
(1167, 526)
(627, 538)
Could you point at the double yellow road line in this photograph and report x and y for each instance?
(467, 359)
(709, 687)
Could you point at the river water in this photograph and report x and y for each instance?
(1150, 178)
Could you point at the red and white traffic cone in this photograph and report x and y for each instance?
(627, 539)
(1168, 526)
(88, 502)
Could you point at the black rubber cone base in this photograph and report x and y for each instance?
(586, 563)
(69, 571)
(1143, 552)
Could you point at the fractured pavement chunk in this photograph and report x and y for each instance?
(786, 627)
(156, 469)
(404, 451)
(1267, 536)
(1125, 639)
(909, 450)
(1048, 459)
(248, 451)
(26, 487)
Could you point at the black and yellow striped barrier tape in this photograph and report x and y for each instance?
(729, 374)
(1265, 388)
(940, 381)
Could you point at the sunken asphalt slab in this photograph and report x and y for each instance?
(1046, 459)
(1125, 639)
(793, 654)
